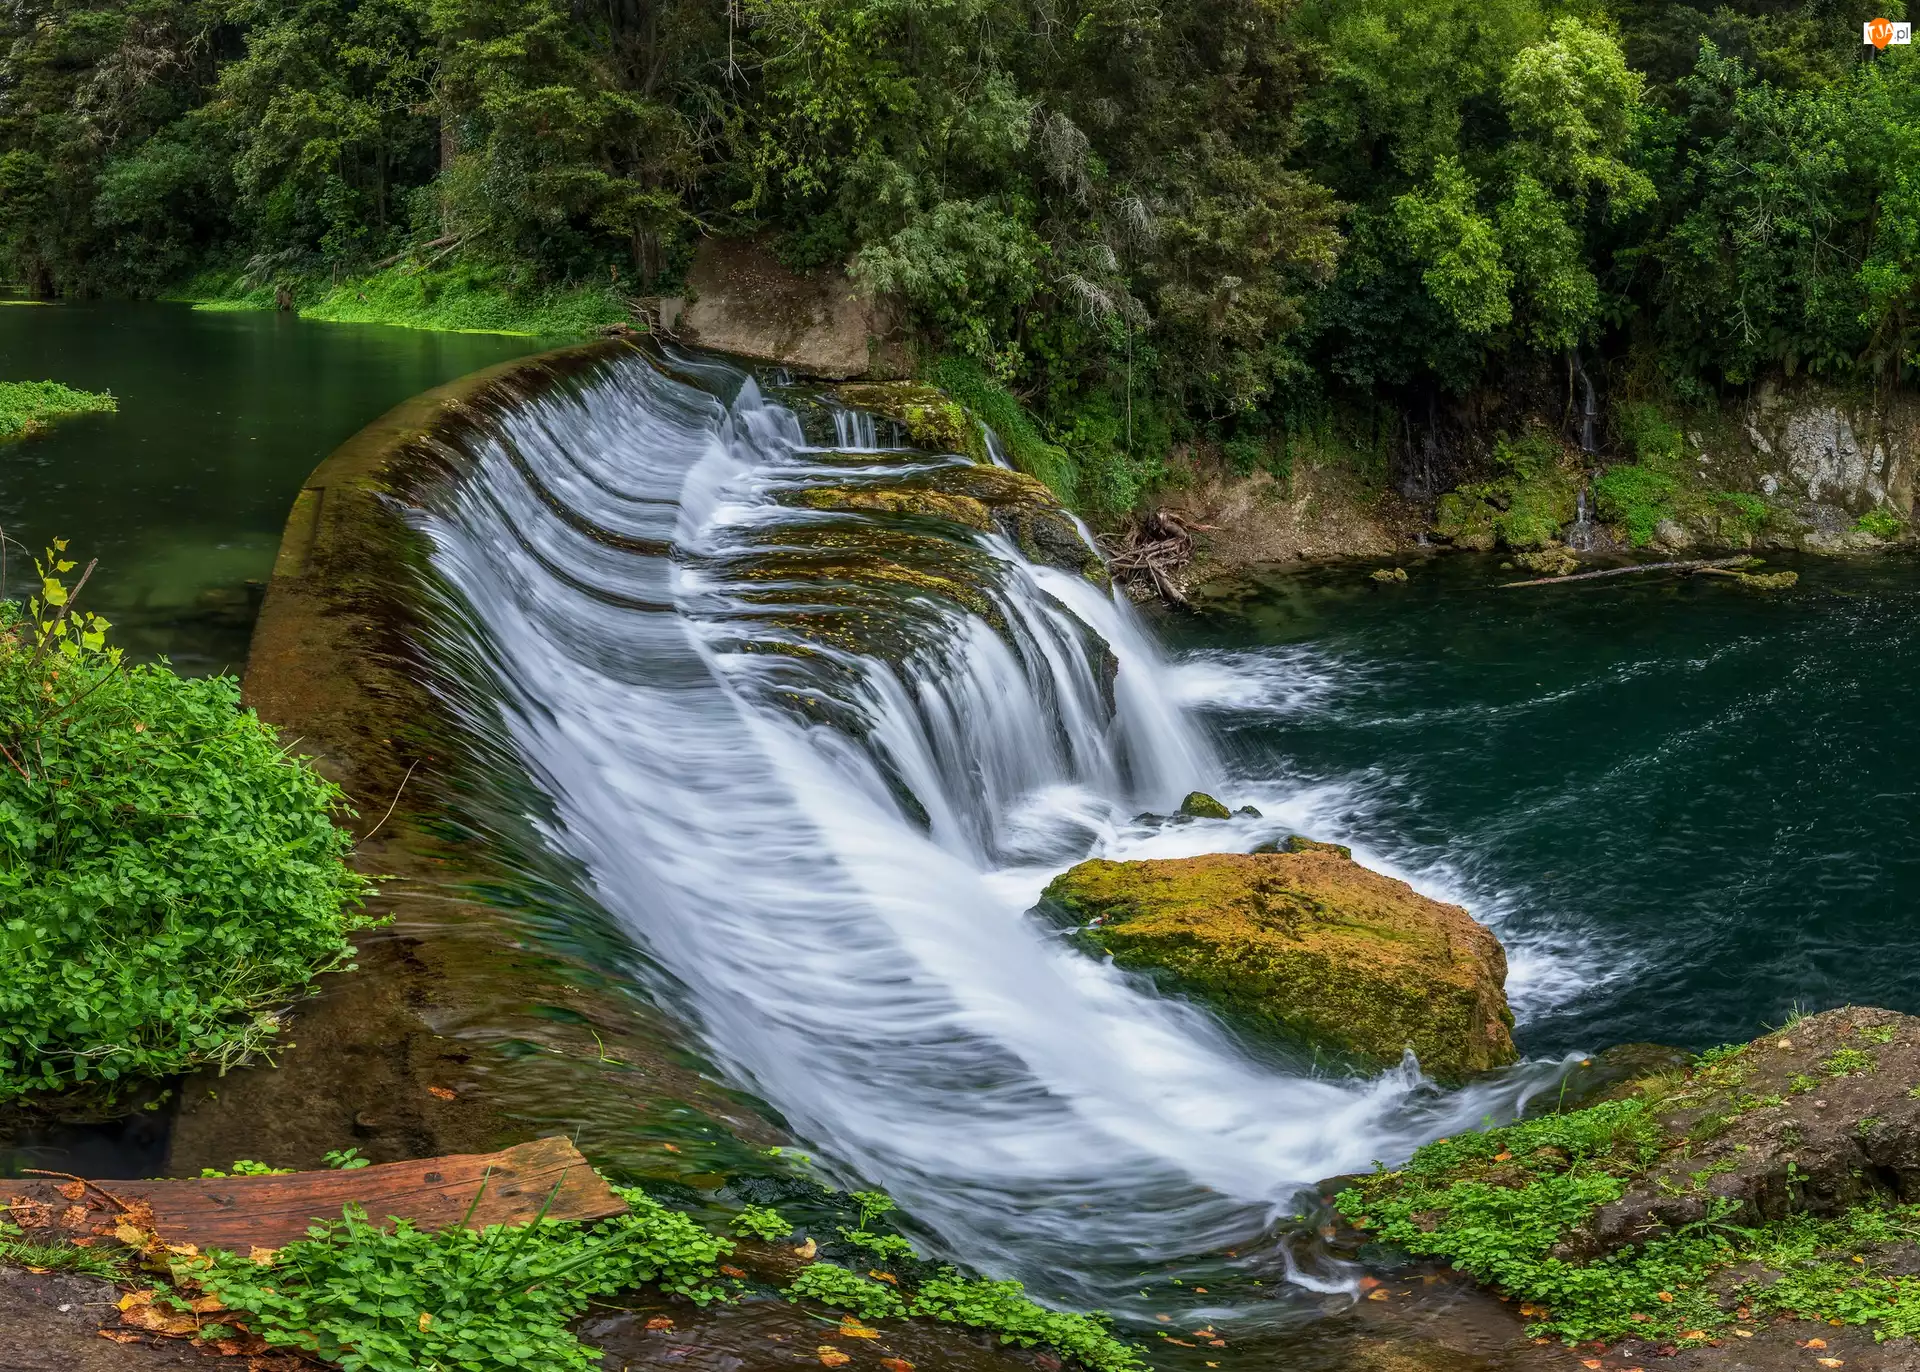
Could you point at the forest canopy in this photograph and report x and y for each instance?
(1151, 221)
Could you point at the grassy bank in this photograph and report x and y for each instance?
(27, 407)
(457, 300)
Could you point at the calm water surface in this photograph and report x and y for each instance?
(1686, 807)
(182, 494)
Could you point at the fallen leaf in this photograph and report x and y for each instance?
(74, 1217)
(131, 1237)
(886, 1277)
(1590, 1362)
(266, 1257)
(426, 1320)
(73, 1190)
(659, 1322)
(1379, 1294)
(204, 1305)
(831, 1356)
(807, 1249)
(118, 1335)
(133, 1298)
(852, 1328)
(1858, 1258)
(896, 1365)
(1164, 1319)
(727, 1271)
(1368, 1283)
(1637, 1316)
(1201, 1290)
(1666, 1296)
(1743, 1333)
(1502, 1156)
(671, 1147)
(1831, 1362)
(1182, 1342)
(1693, 1333)
(1216, 1343)
(1814, 1343)
(440, 1092)
(1784, 1043)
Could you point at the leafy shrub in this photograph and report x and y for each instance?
(1004, 1308)
(1636, 499)
(169, 876)
(395, 1299)
(762, 1222)
(1881, 523)
(1524, 506)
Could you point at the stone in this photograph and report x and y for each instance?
(1307, 944)
(1391, 575)
(1819, 1125)
(1200, 805)
(1549, 562)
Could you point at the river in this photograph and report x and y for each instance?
(821, 805)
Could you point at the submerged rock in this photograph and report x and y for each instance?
(1549, 562)
(1390, 575)
(1309, 943)
(1200, 805)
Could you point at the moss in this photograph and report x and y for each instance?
(1309, 944)
(897, 500)
(1525, 505)
(1882, 523)
(1020, 437)
(1200, 805)
(26, 407)
(1659, 486)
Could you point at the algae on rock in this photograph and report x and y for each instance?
(1311, 944)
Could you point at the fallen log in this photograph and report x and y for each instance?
(241, 1213)
(1695, 565)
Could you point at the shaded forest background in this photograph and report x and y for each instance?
(1154, 223)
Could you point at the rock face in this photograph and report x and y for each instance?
(740, 299)
(1814, 1119)
(1309, 943)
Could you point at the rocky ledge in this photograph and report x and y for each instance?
(1310, 944)
(1769, 1184)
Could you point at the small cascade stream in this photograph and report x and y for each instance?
(821, 788)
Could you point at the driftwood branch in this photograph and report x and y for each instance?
(1696, 565)
(385, 262)
(1155, 548)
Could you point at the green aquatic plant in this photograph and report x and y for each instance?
(26, 407)
(840, 1289)
(762, 1222)
(1881, 522)
(170, 877)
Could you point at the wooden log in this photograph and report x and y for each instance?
(240, 1213)
(1693, 566)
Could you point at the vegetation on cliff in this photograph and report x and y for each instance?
(1153, 224)
(1310, 943)
(170, 877)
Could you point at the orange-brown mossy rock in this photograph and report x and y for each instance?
(1309, 943)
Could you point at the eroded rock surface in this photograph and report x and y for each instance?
(1309, 943)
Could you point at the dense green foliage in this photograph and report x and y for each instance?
(26, 406)
(1496, 1204)
(392, 1299)
(169, 876)
(1156, 223)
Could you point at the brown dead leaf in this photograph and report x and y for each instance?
(1831, 1362)
(1666, 1297)
(74, 1217)
(1502, 1157)
(807, 1249)
(119, 1335)
(831, 1356)
(204, 1305)
(659, 1322)
(896, 1365)
(852, 1328)
(1379, 1293)
(442, 1093)
(727, 1271)
(263, 1256)
(671, 1147)
(133, 1298)
(426, 1320)
(73, 1190)
(1813, 1343)
(886, 1277)
(1693, 1333)
(1591, 1362)
(1182, 1342)
(131, 1237)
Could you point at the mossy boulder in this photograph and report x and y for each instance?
(932, 419)
(919, 502)
(1310, 944)
(1200, 805)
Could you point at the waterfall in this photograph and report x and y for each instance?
(855, 431)
(823, 803)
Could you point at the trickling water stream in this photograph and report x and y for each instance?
(823, 800)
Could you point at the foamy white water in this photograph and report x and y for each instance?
(834, 852)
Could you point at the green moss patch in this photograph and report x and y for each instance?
(454, 300)
(1660, 487)
(1526, 504)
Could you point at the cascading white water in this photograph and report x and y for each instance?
(833, 851)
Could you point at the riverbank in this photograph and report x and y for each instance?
(411, 296)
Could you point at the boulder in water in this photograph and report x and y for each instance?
(1309, 943)
(1200, 805)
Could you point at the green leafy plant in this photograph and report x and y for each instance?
(1881, 522)
(344, 1159)
(1848, 1062)
(762, 1222)
(844, 1290)
(392, 1299)
(246, 1167)
(27, 406)
(169, 876)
